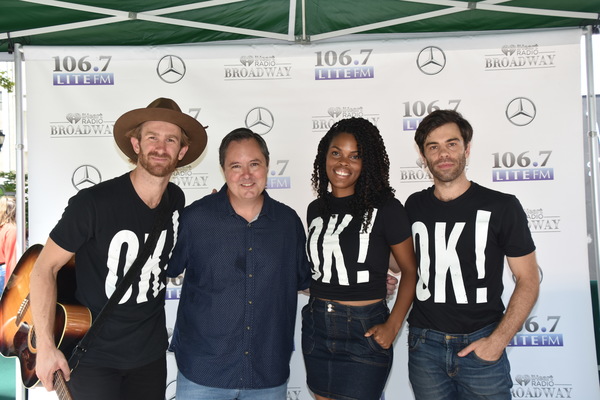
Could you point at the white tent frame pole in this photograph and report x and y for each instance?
(304, 20)
(20, 179)
(20, 167)
(593, 147)
(292, 18)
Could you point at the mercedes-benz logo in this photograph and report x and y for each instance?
(520, 111)
(431, 60)
(260, 120)
(171, 390)
(85, 176)
(170, 69)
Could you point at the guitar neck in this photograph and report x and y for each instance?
(60, 385)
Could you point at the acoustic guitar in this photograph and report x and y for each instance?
(17, 333)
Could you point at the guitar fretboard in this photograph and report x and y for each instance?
(22, 310)
(60, 385)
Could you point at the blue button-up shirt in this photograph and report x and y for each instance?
(236, 316)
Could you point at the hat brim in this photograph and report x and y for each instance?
(131, 119)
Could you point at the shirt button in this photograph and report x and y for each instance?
(249, 301)
(246, 353)
(249, 275)
(248, 328)
(250, 249)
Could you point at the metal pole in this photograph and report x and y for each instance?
(304, 20)
(593, 147)
(20, 180)
(20, 171)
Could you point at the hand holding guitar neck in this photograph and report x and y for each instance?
(60, 386)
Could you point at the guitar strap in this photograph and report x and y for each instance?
(133, 272)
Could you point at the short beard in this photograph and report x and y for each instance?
(452, 175)
(156, 170)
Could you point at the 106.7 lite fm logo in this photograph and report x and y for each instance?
(522, 166)
(277, 178)
(82, 71)
(174, 288)
(331, 65)
(415, 111)
(539, 332)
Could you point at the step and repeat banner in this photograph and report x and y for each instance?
(520, 91)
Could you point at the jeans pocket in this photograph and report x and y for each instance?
(481, 361)
(367, 348)
(308, 330)
(413, 341)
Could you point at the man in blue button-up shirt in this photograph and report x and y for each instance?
(244, 259)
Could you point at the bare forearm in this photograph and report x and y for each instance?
(43, 305)
(404, 298)
(519, 307)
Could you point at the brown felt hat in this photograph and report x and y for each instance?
(161, 109)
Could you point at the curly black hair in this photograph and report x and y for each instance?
(373, 186)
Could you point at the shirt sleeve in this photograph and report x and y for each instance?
(397, 224)
(76, 224)
(516, 237)
(303, 267)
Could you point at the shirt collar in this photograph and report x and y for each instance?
(268, 209)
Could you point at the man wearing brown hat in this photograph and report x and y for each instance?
(105, 227)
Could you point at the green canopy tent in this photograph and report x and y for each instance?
(158, 22)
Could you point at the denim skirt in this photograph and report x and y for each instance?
(340, 362)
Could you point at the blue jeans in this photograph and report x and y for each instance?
(436, 372)
(188, 390)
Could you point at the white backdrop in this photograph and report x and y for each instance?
(520, 91)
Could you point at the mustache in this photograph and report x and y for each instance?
(447, 160)
(159, 155)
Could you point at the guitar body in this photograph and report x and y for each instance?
(17, 333)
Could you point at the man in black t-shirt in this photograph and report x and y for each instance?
(106, 226)
(462, 233)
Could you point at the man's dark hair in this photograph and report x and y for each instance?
(238, 135)
(438, 118)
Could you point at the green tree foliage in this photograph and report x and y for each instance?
(6, 82)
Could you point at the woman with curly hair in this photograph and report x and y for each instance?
(353, 225)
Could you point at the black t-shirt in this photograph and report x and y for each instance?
(348, 264)
(460, 247)
(106, 226)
